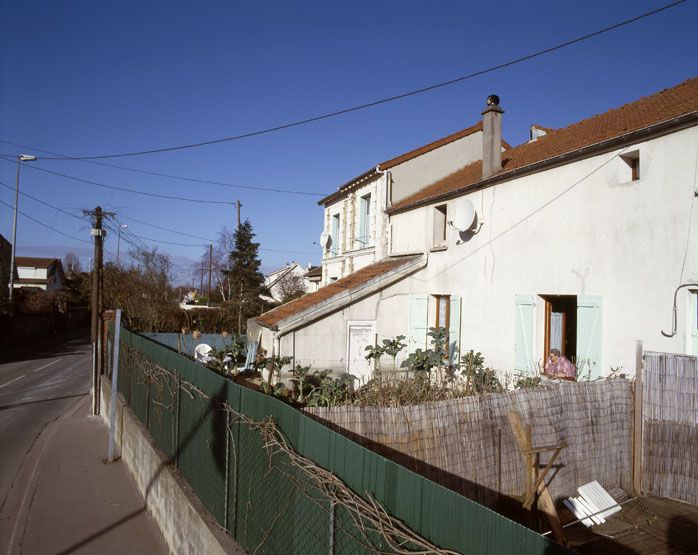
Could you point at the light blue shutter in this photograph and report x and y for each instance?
(454, 330)
(417, 334)
(364, 204)
(694, 323)
(523, 334)
(588, 336)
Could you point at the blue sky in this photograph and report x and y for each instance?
(92, 78)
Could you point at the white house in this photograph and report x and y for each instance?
(284, 280)
(44, 273)
(356, 229)
(583, 239)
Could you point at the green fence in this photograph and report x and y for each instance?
(280, 482)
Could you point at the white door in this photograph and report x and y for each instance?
(360, 335)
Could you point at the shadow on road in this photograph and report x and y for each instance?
(54, 346)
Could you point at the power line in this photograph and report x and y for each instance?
(97, 184)
(384, 100)
(160, 174)
(81, 218)
(44, 225)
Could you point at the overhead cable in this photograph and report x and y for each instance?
(383, 100)
(45, 225)
(159, 174)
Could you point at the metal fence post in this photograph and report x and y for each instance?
(637, 422)
(332, 527)
(178, 384)
(114, 385)
(227, 469)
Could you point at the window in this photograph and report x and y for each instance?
(428, 311)
(442, 311)
(364, 221)
(440, 226)
(630, 167)
(334, 245)
(561, 325)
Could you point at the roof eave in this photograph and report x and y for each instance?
(338, 301)
(657, 129)
(348, 186)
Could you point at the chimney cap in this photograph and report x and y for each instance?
(492, 100)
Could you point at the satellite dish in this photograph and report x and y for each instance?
(325, 240)
(464, 216)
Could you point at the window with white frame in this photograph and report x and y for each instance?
(334, 244)
(364, 231)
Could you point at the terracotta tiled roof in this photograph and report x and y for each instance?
(358, 278)
(314, 272)
(33, 262)
(648, 111)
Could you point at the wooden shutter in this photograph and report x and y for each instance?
(418, 325)
(588, 336)
(454, 329)
(523, 334)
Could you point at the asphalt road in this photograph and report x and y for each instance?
(56, 494)
(37, 386)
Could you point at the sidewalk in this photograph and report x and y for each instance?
(74, 502)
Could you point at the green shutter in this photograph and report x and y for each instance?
(523, 334)
(588, 336)
(417, 334)
(454, 330)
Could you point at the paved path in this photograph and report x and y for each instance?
(56, 494)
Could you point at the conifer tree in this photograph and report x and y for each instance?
(247, 282)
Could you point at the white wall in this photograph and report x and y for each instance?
(413, 175)
(575, 229)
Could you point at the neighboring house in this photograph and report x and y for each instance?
(578, 239)
(314, 277)
(43, 273)
(284, 281)
(356, 231)
(5, 259)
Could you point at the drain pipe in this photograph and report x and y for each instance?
(675, 309)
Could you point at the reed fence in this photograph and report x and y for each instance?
(467, 445)
(670, 426)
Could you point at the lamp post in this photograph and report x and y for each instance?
(118, 242)
(21, 158)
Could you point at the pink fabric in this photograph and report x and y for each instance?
(561, 368)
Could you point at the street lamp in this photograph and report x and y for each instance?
(118, 242)
(20, 158)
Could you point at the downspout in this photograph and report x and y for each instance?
(675, 309)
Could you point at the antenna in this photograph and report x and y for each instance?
(464, 215)
(325, 240)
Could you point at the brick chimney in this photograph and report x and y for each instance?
(491, 137)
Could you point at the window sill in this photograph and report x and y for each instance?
(438, 248)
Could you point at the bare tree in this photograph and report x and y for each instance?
(291, 286)
(225, 244)
(71, 264)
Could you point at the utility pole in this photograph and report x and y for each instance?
(210, 270)
(238, 205)
(98, 233)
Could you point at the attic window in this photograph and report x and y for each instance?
(630, 167)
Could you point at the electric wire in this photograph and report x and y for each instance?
(159, 174)
(386, 100)
(136, 192)
(45, 225)
(82, 218)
